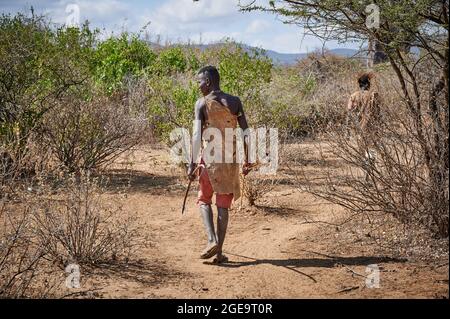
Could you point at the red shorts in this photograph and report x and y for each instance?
(206, 192)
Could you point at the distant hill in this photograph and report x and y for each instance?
(292, 58)
(286, 58)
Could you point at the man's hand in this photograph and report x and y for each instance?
(191, 171)
(246, 168)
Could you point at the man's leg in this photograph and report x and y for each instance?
(204, 200)
(207, 216)
(222, 224)
(370, 163)
(223, 202)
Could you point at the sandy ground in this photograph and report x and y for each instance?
(272, 252)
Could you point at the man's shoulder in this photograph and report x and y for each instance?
(356, 94)
(200, 102)
(228, 95)
(231, 98)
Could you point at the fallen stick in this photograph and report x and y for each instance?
(348, 289)
(351, 270)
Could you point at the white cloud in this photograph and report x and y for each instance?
(257, 26)
(100, 11)
(188, 11)
(104, 9)
(288, 42)
(180, 20)
(187, 16)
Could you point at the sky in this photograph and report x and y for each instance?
(203, 21)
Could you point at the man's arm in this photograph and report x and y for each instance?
(351, 105)
(242, 120)
(196, 137)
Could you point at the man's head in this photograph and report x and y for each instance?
(364, 81)
(208, 79)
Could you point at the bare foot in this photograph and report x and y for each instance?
(220, 259)
(209, 251)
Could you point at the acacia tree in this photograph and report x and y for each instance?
(423, 79)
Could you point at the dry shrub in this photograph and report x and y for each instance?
(325, 65)
(78, 226)
(384, 233)
(7, 166)
(89, 134)
(303, 100)
(335, 82)
(399, 179)
(255, 185)
(261, 180)
(44, 228)
(22, 274)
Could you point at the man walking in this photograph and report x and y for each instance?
(364, 116)
(219, 111)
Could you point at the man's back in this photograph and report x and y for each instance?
(233, 103)
(364, 106)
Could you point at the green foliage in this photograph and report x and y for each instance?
(193, 60)
(243, 73)
(22, 47)
(119, 57)
(41, 67)
(170, 61)
(172, 104)
(53, 62)
(174, 90)
(284, 101)
(63, 62)
(37, 64)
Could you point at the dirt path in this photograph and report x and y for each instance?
(272, 252)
